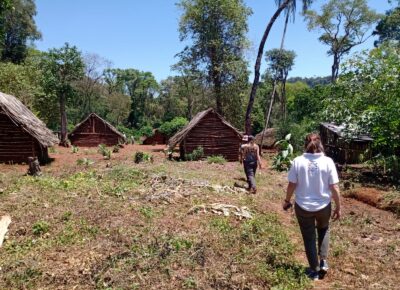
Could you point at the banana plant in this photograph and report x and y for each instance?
(283, 159)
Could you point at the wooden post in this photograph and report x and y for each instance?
(34, 166)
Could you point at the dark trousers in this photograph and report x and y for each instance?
(250, 168)
(308, 221)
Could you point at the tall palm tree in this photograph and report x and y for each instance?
(290, 11)
(282, 5)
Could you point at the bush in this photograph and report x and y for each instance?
(40, 227)
(196, 155)
(297, 131)
(142, 157)
(74, 149)
(106, 152)
(283, 159)
(84, 161)
(173, 126)
(146, 131)
(218, 159)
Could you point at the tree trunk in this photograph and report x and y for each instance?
(63, 128)
(335, 68)
(271, 102)
(258, 65)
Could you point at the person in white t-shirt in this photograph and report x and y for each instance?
(314, 181)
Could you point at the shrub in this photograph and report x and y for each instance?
(143, 157)
(173, 126)
(146, 131)
(116, 149)
(283, 159)
(74, 149)
(197, 154)
(106, 152)
(84, 161)
(40, 227)
(218, 159)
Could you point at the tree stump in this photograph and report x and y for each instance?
(34, 167)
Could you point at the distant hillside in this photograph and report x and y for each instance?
(312, 82)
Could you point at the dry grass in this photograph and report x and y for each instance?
(94, 227)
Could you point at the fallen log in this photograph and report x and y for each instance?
(5, 221)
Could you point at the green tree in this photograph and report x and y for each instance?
(217, 29)
(388, 28)
(280, 62)
(367, 98)
(284, 5)
(344, 24)
(62, 67)
(18, 28)
(141, 87)
(22, 80)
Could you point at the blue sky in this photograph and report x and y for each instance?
(143, 34)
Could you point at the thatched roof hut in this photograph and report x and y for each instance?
(210, 131)
(341, 149)
(94, 131)
(156, 138)
(22, 134)
(269, 139)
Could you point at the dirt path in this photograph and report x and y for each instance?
(365, 243)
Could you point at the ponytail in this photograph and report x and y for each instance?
(313, 144)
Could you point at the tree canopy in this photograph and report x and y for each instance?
(344, 25)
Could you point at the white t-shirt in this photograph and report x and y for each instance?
(313, 173)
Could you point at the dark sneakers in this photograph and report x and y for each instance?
(313, 275)
(323, 266)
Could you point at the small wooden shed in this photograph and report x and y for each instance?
(342, 150)
(269, 139)
(210, 131)
(156, 138)
(94, 131)
(22, 134)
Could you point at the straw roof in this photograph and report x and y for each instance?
(25, 119)
(269, 137)
(111, 127)
(178, 137)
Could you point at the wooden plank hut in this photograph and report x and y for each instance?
(269, 139)
(210, 131)
(94, 131)
(342, 150)
(156, 138)
(22, 134)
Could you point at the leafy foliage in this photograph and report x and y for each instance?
(173, 126)
(388, 28)
(40, 227)
(283, 159)
(367, 98)
(18, 28)
(196, 155)
(105, 151)
(345, 24)
(217, 159)
(217, 30)
(143, 157)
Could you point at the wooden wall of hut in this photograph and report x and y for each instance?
(344, 151)
(214, 137)
(16, 145)
(92, 133)
(157, 138)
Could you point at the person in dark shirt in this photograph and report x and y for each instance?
(250, 157)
